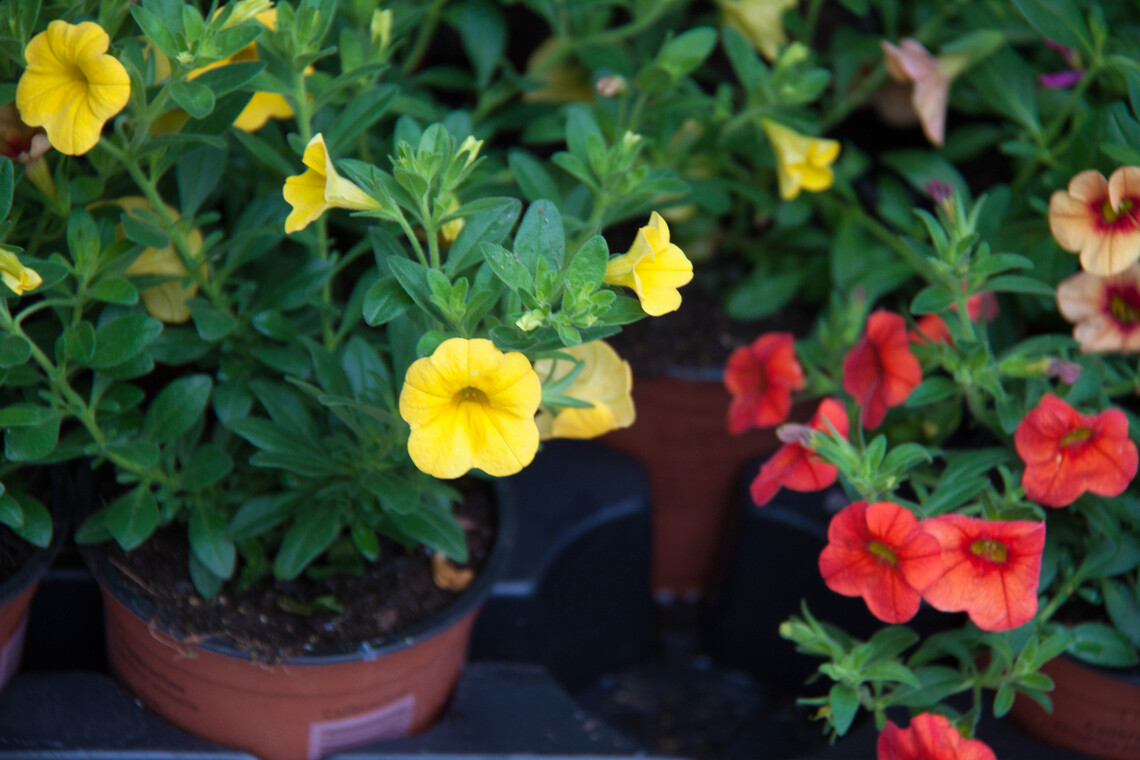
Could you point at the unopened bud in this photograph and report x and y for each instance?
(795, 433)
(939, 191)
(611, 87)
(630, 140)
(380, 30)
(471, 147)
(795, 53)
(532, 320)
(1065, 371)
(244, 10)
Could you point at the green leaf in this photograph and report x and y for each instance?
(743, 59)
(114, 290)
(32, 442)
(14, 351)
(22, 415)
(308, 538)
(384, 301)
(1003, 700)
(132, 518)
(36, 527)
(208, 464)
(508, 267)
(532, 177)
(11, 513)
(225, 79)
(930, 391)
(761, 294)
(438, 531)
(156, 30)
(210, 542)
(1007, 84)
(261, 150)
(1015, 283)
(361, 112)
(891, 671)
(844, 704)
(206, 582)
(1059, 20)
(588, 267)
(365, 540)
(198, 173)
(395, 494)
(193, 98)
(1101, 644)
(82, 238)
(177, 407)
(124, 338)
(79, 342)
(143, 233)
(580, 126)
(212, 325)
(93, 530)
(484, 35)
(142, 454)
(489, 226)
(260, 514)
(7, 186)
(540, 236)
(1123, 609)
(687, 51)
(413, 278)
(931, 299)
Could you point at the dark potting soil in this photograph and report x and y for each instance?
(389, 597)
(699, 335)
(14, 552)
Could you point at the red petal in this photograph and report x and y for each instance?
(768, 482)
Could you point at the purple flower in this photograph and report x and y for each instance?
(1060, 80)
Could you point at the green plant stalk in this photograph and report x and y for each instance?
(424, 37)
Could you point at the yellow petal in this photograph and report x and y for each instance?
(306, 194)
(16, 276)
(262, 107)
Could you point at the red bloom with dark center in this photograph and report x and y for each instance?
(1067, 453)
(881, 553)
(797, 467)
(761, 378)
(989, 569)
(929, 737)
(880, 371)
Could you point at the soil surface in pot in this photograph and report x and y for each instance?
(390, 596)
(699, 335)
(14, 552)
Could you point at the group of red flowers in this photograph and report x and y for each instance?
(882, 551)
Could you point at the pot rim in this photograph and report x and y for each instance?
(32, 570)
(1129, 675)
(113, 583)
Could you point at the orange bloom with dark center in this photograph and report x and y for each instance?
(1099, 219)
(929, 737)
(879, 370)
(795, 465)
(1067, 453)
(989, 569)
(880, 552)
(761, 378)
(1105, 310)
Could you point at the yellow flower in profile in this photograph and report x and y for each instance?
(605, 380)
(321, 188)
(654, 268)
(71, 87)
(165, 301)
(470, 405)
(802, 162)
(16, 276)
(759, 21)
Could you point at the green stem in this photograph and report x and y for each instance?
(423, 38)
(327, 307)
(301, 110)
(411, 236)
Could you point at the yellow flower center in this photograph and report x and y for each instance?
(883, 552)
(471, 394)
(1123, 311)
(1111, 214)
(990, 549)
(1080, 435)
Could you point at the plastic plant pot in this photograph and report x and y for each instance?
(15, 597)
(1096, 711)
(306, 707)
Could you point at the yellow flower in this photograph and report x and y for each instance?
(802, 162)
(71, 87)
(321, 188)
(654, 268)
(759, 21)
(604, 380)
(451, 230)
(16, 276)
(166, 301)
(471, 405)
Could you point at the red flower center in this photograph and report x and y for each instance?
(883, 552)
(988, 548)
(1124, 305)
(1080, 435)
(1123, 217)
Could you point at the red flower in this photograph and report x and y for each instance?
(881, 553)
(880, 371)
(982, 307)
(989, 569)
(1067, 453)
(761, 378)
(794, 465)
(930, 737)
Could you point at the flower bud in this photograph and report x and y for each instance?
(532, 320)
(380, 30)
(244, 10)
(471, 147)
(611, 87)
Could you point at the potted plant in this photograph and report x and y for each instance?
(277, 395)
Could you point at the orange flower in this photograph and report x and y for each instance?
(1105, 310)
(880, 371)
(1067, 453)
(880, 552)
(989, 569)
(761, 378)
(795, 465)
(1099, 219)
(929, 737)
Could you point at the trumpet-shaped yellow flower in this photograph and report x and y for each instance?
(165, 301)
(470, 405)
(16, 276)
(759, 21)
(605, 380)
(654, 268)
(321, 188)
(71, 86)
(802, 162)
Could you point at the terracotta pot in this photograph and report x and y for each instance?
(306, 707)
(681, 438)
(1096, 711)
(15, 597)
